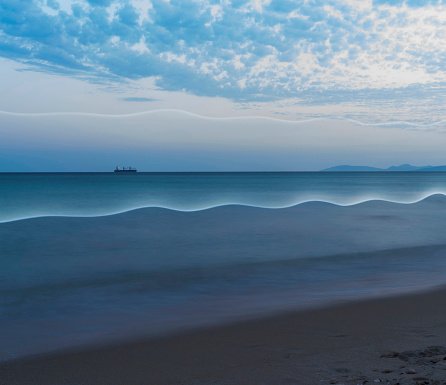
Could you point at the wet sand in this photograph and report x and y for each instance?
(398, 340)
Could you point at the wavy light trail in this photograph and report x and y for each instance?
(204, 208)
(231, 118)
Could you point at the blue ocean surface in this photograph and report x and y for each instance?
(88, 258)
(29, 195)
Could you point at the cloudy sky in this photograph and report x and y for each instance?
(221, 85)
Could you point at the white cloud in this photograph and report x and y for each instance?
(264, 47)
(258, 5)
(143, 8)
(141, 46)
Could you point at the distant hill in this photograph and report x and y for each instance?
(352, 168)
(403, 167)
(430, 168)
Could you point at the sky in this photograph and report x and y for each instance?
(259, 85)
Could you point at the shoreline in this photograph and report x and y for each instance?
(333, 344)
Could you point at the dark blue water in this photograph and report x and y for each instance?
(29, 195)
(67, 281)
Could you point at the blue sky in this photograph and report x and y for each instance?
(371, 62)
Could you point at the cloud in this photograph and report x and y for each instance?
(243, 50)
(136, 99)
(409, 3)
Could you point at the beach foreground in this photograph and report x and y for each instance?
(397, 340)
(227, 295)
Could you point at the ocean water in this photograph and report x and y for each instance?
(88, 258)
(31, 195)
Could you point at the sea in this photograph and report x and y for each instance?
(88, 258)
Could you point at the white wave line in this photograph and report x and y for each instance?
(210, 207)
(246, 117)
(394, 123)
(170, 110)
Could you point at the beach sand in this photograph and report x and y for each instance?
(397, 340)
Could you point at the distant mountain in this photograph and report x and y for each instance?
(430, 168)
(352, 168)
(403, 167)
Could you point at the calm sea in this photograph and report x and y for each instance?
(29, 195)
(94, 257)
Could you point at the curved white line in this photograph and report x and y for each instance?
(248, 117)
(394, 123)
(150, 112)
(204, 208)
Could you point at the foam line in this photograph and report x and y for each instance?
(231, 118)
(204, 208)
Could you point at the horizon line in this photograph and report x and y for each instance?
(378, 170)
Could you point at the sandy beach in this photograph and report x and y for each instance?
(398, 340)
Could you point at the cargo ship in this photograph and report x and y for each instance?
(125, 169)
